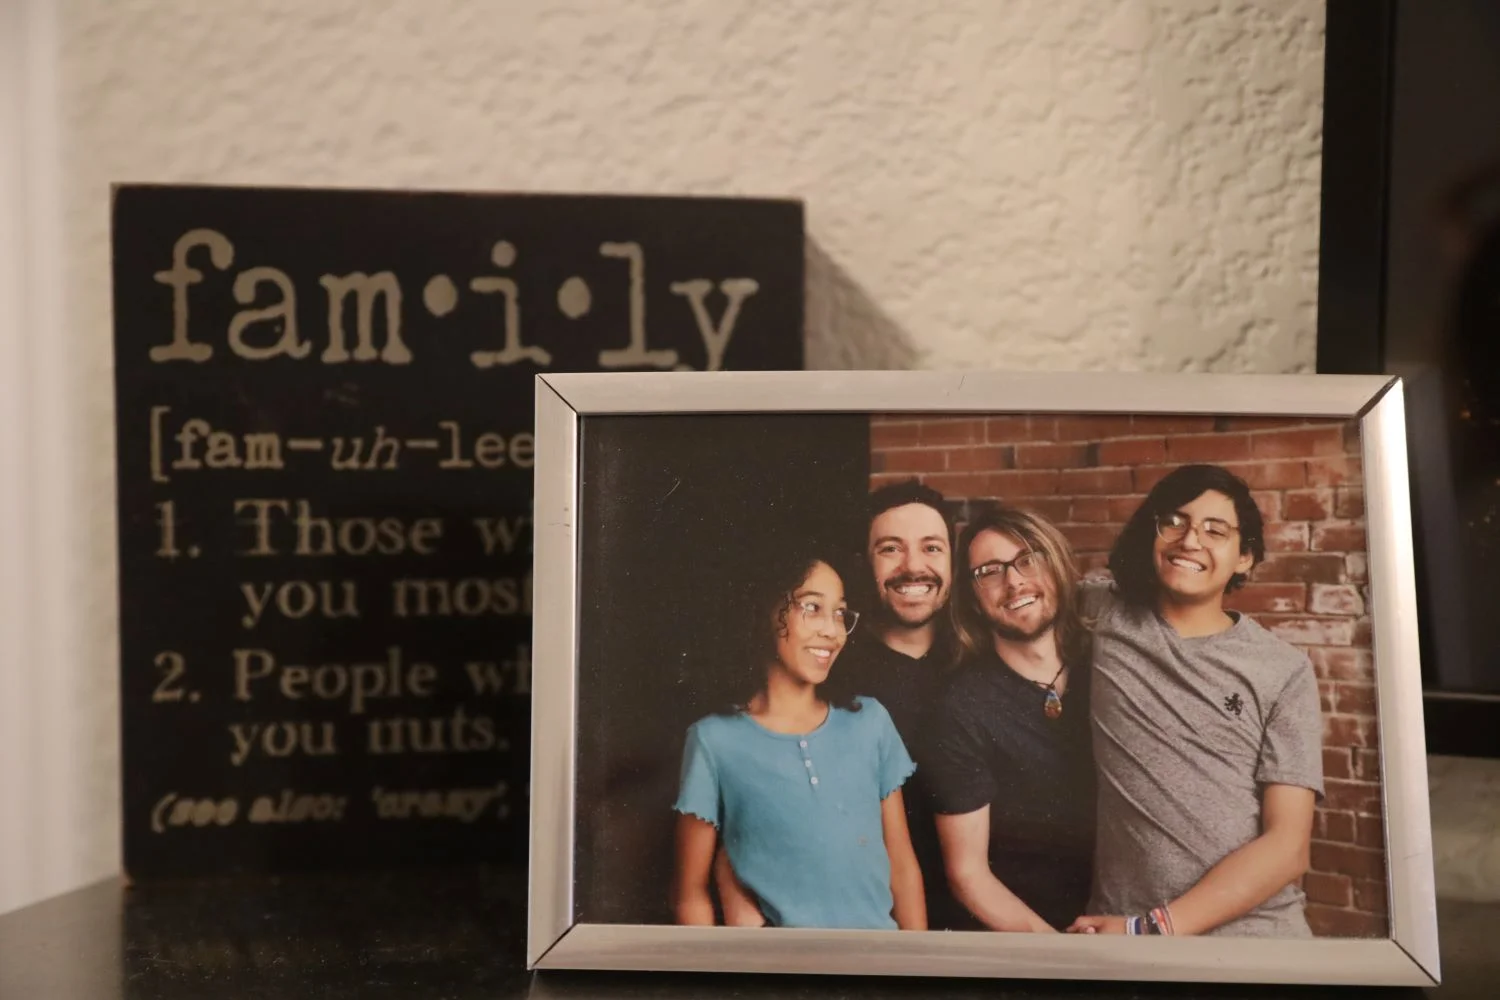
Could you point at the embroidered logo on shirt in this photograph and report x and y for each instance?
(1234, 704)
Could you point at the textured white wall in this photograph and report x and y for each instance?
(1026, 183)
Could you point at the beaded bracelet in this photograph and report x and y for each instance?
(1157, 921)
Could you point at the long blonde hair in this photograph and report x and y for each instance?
(1036, 533)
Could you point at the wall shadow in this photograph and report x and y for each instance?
(845, 328)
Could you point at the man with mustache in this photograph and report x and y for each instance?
(1207, 730)
(902, 659)
(1010, 768)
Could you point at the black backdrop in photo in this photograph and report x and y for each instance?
(674, 510)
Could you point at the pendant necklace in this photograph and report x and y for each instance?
(1052, 706)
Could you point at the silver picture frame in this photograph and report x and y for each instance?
(557, 940)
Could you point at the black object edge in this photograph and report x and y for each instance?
(1358, 95)
(1358, 73)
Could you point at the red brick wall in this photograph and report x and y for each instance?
(1089, 473)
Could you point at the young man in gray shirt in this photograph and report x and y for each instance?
(1207, 730)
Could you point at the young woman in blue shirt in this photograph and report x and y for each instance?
(804, 795)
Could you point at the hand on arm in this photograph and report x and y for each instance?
(696, 840)
(739, 909)
(966, 856)
(906, 874)
(1247, 877)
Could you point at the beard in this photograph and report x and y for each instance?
(1015, 634)
(911, 617)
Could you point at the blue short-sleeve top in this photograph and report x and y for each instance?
(800, 814)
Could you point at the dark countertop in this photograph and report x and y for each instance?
(423, 935)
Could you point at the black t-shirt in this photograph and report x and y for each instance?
(911, 689)
(995, 746)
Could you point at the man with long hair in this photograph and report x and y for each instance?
(1009, 769)
(1207, 731)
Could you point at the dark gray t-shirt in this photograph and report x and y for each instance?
(1186, 731)
(994, 746)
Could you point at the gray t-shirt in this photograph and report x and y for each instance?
(1185, 733)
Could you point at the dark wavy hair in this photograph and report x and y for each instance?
(862, 594)
(1133, 560)
(1036, 533)
(766, 600)
(900, 494)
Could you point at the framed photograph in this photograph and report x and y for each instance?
(978, 675)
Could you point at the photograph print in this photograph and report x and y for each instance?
(1021, 672)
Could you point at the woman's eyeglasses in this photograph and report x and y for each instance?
(821, 616)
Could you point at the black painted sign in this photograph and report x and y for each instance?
(324, 432)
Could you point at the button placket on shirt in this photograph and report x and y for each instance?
(812, 774)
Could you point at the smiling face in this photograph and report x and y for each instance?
(809, 635)
(1020, 608)
(912, 563)
(1196, 568)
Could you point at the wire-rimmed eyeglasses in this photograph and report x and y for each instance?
(1174, 527)
(819, 615)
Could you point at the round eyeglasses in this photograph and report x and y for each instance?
(992, 574)
(1174, 527)
(819, 615)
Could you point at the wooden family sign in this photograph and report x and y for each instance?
(324, 444)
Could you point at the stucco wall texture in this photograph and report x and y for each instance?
(1033, 184)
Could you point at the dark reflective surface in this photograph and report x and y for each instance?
(459, 935)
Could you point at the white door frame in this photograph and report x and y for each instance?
(44, 684)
